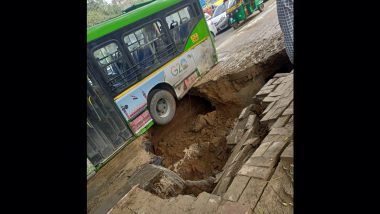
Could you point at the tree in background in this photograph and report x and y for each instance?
(99, 10)
(127, 3)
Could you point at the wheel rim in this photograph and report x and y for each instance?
(162, 108)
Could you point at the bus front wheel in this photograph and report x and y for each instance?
(161, 106)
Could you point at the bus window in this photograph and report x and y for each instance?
(108, 57)
(149, 46)
(180, 24)
(110, 60)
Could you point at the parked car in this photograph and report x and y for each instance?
(219, 18)
(211, 25)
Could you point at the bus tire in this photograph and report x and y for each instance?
(162, 106)
(261, 7)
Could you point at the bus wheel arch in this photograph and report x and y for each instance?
(162, 103)
(163, 86)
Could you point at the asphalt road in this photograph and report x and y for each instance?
(254, 23)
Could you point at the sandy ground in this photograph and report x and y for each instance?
(110, 178)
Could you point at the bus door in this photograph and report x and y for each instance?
(106, 130)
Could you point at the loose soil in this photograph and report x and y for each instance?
(194, 143)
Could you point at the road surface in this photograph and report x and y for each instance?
(248, 31)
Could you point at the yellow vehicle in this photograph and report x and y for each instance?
(214, 3)
(218, 2)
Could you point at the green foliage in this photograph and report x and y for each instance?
(99, 10)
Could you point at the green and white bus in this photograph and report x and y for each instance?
(141, 62)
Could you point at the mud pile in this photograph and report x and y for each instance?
(194, 146)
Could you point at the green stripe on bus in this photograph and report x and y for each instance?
(143, 130)
(201, 30)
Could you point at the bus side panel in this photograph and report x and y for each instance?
(204, 51)
(204, 56)
(179, 69)
(200, 50)
(134, 102)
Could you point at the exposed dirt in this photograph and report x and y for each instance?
(237, 79)
(194, 144)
